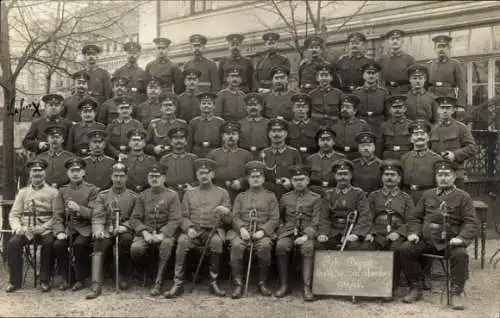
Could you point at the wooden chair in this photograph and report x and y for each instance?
(445, 264)
(30, 258)
(481, 209)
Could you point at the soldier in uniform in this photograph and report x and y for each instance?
(348, 126)
(230, 160)
(209, 75)
(302, 130)
(340, 201)
(77, 140)
(188, 102)
(277, 102)
(451, 138)
(230, 104)
(151, 109)
(248, 80)
(301, 209)
(44, 200)
(270, 61)
(204, 208)
(98, 167)
(155, 220)
(137, 162)
(35, 139)
(180, 175)
(372, 97)
(118, 129)
(75, 222)
(135, 75)
(70, 109)
(421, 103)
(395, 133)
(428, 233)
(321, 162)
(367, 167)
(278, 157)
(204, 130)
(168, 72)
(108, 111)
(115, 200)
(157, 142)
(55, 174)
(395, 63)
(99, 83)
(351, 63)
(417, 177)
(253, 136)
(257, 206)
(445, 74)
(325, 99)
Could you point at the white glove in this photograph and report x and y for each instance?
(245, 236)
(236, 185)
(413, 238)
(301, 240)
(43, 145)
(448, 155)
(369, 238)
(393, 236)
(192, 233)
(352, 238)
(322, 238)
(285, 182)
(258, 235)
(61, 236)
(456, 241)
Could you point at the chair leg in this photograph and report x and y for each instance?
(476, 248)
(445, 263)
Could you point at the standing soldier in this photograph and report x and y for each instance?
(270, 61)
(77, 140)
(301, 209)
(325, 99)
(135, 75)
(120, 127)
(204, 130)
(203, 208)
(70, 109)
(278, 157)
(417, 177)
(35, 139)
(321, 162)
(421, 103)
(351, 63)
(253, 136)
(170, 74)
(302, 130)
(155, 220)
(428, 234)
(348, 126)
(367, 167)
(277, 102)
(395, 133)
(189, 104)
(446, 77)
(257, 206)
(158, 143)
(451, 138)
(230, 104)
(98, 167)
(209, 77)
(248, 81)
(150, 109)
(104, 230)
(395, 64)
(99, 83)
(108, 111)
(75, 221)
(44, 200)
(55, 174)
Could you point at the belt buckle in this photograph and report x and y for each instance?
(133, 89)
(347, 148)
(439, 83)
(279, 117)
(340, 220)
(369, 113)
(392, 83)
(84, 151)
(434, 226)
(324, 184)
(138, 187)
(179, 186)
(253, 148)
(352, 88)
(308, 86)
(414, 187)
(397, 148)
(303, 149)
(206, 144)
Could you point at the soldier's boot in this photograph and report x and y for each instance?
(415, 293)
(237, 281)
(77, 286)
(178, 287)
(282, 261)
(97, 277)
(307, 272)
(263, 289)
(214, 275)
(162, 266)
(457, 298)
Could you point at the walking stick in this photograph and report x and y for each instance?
(202, 257)
(116, 210)
(444, 236)
(253, 228)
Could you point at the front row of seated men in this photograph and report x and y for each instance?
(304, 220)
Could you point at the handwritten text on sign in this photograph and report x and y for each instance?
(353, 273)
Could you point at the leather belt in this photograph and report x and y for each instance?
(435, 226)
(339, 220)
(396, 83)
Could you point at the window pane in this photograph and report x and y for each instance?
(480, 40)
(497, 72)
(480, 72)
(460, 44)
(199, 6)
(496, 38)
(479, 94)
(422, 47)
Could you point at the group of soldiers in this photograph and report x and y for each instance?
(168, 160)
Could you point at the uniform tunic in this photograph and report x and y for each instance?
(346, 130)
(138, 165)
(325, 106)
(302, 136)
(395, 138)
(56, 172)
(321, 173)
(99, 84)
(278, 104)
(117, 131)
(78, 143)
(418, 172)
(421, 105)
(308, 72)
(169, 73)
(104, 218)
(367, 174)
(209, 80)
(446, 76)
(394, 71)
(70, 107)
(264, 67)
(137, 79)
(277, 162)
(372, 107)
(253, 134)
(301, 212)
(204, 134)
(180, 168)
(36, 133)
(230, 164)
(350, 71)
(230, 104)
(158, 133)
(148, 111)
(248, 81)
(188, 105)
(98, 170)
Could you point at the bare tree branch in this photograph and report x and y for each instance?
(352, 15)
(311, 15)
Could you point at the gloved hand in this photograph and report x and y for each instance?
(322, 238)
(245, 236)
(301, 240)
(191, 233)
(413, 238)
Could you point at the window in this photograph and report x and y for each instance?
(460, 43)
(480, 40)
(496, 38)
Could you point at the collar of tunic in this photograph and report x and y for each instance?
(256, 119)
(55, 154)
(368, 162)
(445, 123)
(123, 121)
(445, 191)
(326, 155)
(301, 122)
(229, 149)
(420, 153)
(38, 186)
(343, 191)
(325, 89)
(179, 154)
(370, 87)
(207, 118)
(279, 93)
(55, 119)
(138, 156)
(280, 149)
(388, 192)
(95, 158)
(397, 53)
(418, 91)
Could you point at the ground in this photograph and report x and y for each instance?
(483, 293)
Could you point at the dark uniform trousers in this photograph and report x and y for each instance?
(15, 257)
(140, 247)
(334, 243)
(262, 246)
(285, 245)
(81, 251)
(124, 243)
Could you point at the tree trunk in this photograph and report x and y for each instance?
(48, 82)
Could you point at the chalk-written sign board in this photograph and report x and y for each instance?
(353, 273)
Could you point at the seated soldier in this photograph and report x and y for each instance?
(302, 129)
(367, 167)
(444, 221)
